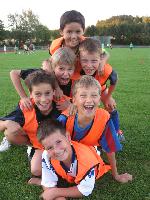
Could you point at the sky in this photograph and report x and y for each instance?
(49, 12)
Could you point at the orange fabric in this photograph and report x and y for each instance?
(30, 127)
(104, 77)
(94, 134)
(62, 99)
(87, 158)
(57, 43)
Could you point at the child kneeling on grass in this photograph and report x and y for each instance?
(20, 126)
(73, 161)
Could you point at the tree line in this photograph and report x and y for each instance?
(123, 29)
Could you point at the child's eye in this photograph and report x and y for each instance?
(37, 94)
(94, 61)
(82, 96)
(61, 68)
(58, 142)
(49, 148)
(94, 95)
(47, 93)
(69, 31)
(84, 61)
(70, 69)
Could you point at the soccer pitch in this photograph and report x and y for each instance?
(132, 95)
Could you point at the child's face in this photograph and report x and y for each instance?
(42, 95)
(87, 100)
(58, 146)
(89, 62)
(63, 73)
(72, 33)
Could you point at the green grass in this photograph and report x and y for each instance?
(132, 95)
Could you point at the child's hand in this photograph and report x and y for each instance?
(49, 194)
(58, 94)
(123, 178)
(63, 105)
(102, 64)
(72, 110)
(109, 104)
(26, 104)
(34, 181)
(101, 69)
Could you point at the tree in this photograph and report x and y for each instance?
(23, 26)
(2, 31)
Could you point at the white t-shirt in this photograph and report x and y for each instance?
(50, 178)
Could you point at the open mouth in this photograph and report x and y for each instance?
(44, 106)
(89, 71)
(64, 81)
(89, 108)
(74, 42)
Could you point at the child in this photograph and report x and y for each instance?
(73, 161)
(90, 58)
(62, 64)
(15, 76)
(92, 125)
(72, 26)
(25, 102)
(20, 126)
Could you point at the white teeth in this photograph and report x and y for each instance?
(89, 107)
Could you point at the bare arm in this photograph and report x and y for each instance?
(54, 193)
(122, 178)
(16, 80)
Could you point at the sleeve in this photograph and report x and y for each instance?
(16, 116)
(113, 78)
(49, 177)
(86, 186)
(25, 72)
(63, 119)
(109, 140)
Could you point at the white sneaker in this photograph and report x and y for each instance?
(5, 145)
(30, 152)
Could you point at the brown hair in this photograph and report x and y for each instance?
(72, 16)
(48, 127)
(38, 77)
(90, 45)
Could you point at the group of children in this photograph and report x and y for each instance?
(61, 118)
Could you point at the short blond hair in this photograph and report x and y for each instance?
(63, 55)
(85, 81)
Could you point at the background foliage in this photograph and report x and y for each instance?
(124, 29)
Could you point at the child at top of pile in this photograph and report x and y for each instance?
(90, 55)
(72, 27)
(20, 126)
(61, 65)
(92, 125)
(74, 162)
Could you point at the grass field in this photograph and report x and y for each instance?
(133, 99)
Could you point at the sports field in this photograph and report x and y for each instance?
(133, 99)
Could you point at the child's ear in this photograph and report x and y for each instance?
(68, 136)
(73, 100)
(61, 32)
(30, 94)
